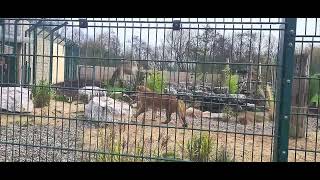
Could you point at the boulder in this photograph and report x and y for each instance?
(86, 93)
(107, 109)
(193, 112)
(250, 117)
(16, 99)
(238, 96)
(210, 115)
(121, 97)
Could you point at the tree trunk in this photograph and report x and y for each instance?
(299, 97)
(297, 123)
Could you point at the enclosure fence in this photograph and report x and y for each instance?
(159, 89)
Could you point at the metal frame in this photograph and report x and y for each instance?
(284, 104)
(51, 47)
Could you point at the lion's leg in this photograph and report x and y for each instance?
(168, 115)
(139, 111)
(154, 113)
(184, 122)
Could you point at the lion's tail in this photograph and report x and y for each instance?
(182, 112)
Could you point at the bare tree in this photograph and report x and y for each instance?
(140, 51)
(105, 46)
(177, 48)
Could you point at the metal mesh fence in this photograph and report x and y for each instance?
(156, 89)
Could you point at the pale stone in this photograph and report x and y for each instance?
(107, 109)
(16, 99)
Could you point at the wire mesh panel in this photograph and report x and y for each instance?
(304, 124)
(142, 89)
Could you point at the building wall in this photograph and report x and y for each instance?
(22, 26)
(41, 56)
(43, 59)
(58, 63)
(105, 73)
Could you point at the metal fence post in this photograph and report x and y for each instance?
(285, 76)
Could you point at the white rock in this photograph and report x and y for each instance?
(239, 96)
(208, 114)
(250, 105)
(106, 109)
(92, 91)
(193, 112)
(16, 99)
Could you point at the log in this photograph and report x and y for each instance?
(299, 97)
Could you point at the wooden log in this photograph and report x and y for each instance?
(299, 97)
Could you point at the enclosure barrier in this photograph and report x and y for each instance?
(159, 89)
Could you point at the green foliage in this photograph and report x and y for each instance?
(315, 99)
(155, 82)
(314, 90)
(114, 156)
(113, 147)
(230, 80)
(139, 151)
(200, 148)
(116, 89)
(233, 84)
(228, 112)
(168, 155)
(116, 152)
(112, 88)
(223, 156)
(60, 98)
(41, 94)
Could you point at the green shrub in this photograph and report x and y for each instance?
(112, 89)
(60, 98)
(314, 90)
(116, 89)
(200, 148)
(41, 94)
(112, 146)
(155, 82)
(233, 84)
(114, 157)
(315, 99)
(116, 152)
(223, 156)
(228, 112)
(230, 80)
(168, 155)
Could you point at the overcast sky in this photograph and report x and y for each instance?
(146, 27)
(310, 26)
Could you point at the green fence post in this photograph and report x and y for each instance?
(35, 52)
(14, 60)
(285, 76)
(51, 58)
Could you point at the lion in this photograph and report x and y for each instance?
(148, 99)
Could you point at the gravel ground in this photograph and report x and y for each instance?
(64, 143)
(44, 143)
(263, 128)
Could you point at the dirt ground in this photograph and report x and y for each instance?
(156, 140)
